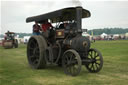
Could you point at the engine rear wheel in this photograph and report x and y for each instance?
(36, 52)
(97, 61)
(71, 62)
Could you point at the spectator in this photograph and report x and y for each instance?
(5, 36)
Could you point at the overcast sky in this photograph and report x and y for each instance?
(103, 13)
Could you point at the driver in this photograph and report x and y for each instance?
(45, 27)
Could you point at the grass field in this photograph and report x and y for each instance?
(14, 68)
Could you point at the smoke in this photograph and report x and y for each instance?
(76, 2)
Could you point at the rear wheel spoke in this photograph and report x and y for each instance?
(36, 61)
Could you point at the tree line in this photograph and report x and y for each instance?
(108, 31)
(95, 32)
(20, 35)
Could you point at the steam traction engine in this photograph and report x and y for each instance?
(9, 40)
(65, 46)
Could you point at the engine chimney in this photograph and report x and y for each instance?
(79, 18)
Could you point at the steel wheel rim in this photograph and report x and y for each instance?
(71, 64)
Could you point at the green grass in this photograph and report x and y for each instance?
(14, 68)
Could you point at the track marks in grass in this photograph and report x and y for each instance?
(52, 80)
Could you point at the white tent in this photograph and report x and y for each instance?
(116, 35)
(26, 38)
(103, 35)
(126, 35)
(85, 34)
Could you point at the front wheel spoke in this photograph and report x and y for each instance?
(98, 59)
(97, 55)
(91, 54)
(94, 53)
(96, 66)
(97, 63)
(93, 67)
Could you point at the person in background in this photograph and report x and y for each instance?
(5, 36)
(46, 26)
(36, 29)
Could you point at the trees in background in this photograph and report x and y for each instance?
(108, 31)
(95, 32)
(21, 35)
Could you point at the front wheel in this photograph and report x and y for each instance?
(96, 59)
(71, 62)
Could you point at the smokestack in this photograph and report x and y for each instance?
(79, 18)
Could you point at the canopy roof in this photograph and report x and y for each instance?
(64, 14)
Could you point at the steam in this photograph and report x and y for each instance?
(76, 2)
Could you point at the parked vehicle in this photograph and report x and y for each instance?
(9, 40)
